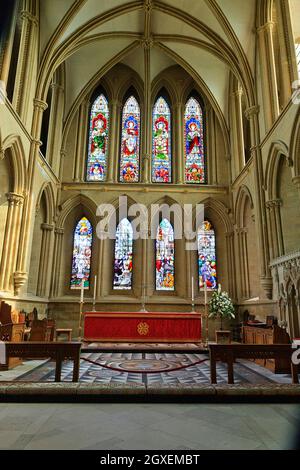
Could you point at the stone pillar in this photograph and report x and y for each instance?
(44, 260)
(114, 151)
(231, 271)
(28, 47)
(212, 170)
(11, 239)
(243, 262)
(268, 74)
(264, 255)
(56, 90)
(22, 262)
(80, 150)
(276, 238)
(239, 129)
(57, 254)
(178, 151)
(147, 44)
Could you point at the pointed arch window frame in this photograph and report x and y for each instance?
(164, 95)
(131, 93)
(94, 97)
(87, 281)
(195, 95)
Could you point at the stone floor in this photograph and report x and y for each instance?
(246, 372)
(148, 426)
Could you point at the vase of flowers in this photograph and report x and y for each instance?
(221, 306)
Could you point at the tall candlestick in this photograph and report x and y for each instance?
(205, 293)
(193, 297)
(81, 291)
(95, 287)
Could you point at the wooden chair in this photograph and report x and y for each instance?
(10, 331)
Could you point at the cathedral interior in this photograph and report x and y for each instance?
(161, 102)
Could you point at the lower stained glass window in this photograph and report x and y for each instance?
(123, 256)
(82, 252)
(165, 256)
(207, 256)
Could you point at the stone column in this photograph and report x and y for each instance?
(44, 260)
(22, 262)
(80, 150)
(212, 170)
(178, 150)
(113, 154)
(276, 238)
(28, 45)
(11, 239)
(54, 117)
(243, 262)
(264, 255)
(147, 44)
(57, 253)
(231, 271)
(239, 127)
(268, 74)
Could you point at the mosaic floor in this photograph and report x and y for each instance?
(161, 363)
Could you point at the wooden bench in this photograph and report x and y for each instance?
(228, 353)
(56, 351)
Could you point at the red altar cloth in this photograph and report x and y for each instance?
(142, 327)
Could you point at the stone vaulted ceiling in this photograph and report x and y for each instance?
(209, 38)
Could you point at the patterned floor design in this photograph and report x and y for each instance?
(244, 371)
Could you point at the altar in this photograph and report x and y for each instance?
(175, 327)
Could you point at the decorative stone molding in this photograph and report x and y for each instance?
(20, 279)
(250, 112)
(47, 227)
(147, 42)
(40, 104)
(267, 285)
(15, 199)
(25, 15)
(296, 181)
(148, 6)
(273, 203)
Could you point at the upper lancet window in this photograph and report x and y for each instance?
(130, 141)
(82, 252)
(98, 140)
(194, 142)
(161, 144)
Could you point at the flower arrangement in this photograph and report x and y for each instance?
(221, 306)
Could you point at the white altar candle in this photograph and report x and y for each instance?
(95, 287)
(81, 291)
(193, 298)
(219, 288)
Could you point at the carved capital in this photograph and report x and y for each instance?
(148, 6)
(250, 112)
(296, 181)
(40, 104)
(273, 203)
(15, 199)
(47, 227)
(59, 231)
(26, 16)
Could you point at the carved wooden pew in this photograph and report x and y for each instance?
(228, 353)
(9, 331)
(58, 351)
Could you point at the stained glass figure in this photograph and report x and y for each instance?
(98, 140)
(123, 256)
(130, 142)
(207, 256)
(82, 252)
(161, 144)
(194, 142)
(165, 256)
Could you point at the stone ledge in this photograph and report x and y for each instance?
(77, 392)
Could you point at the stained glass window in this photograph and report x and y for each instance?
(207, 256)
(98, 140)
(123, 256)
(161, 144)
(82, 251)
(165, 256)
(194, 142)
(130, 142)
